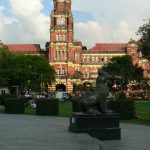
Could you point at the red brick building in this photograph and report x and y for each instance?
(65, 54)
(68, 56)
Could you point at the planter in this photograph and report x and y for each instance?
(14, 106)
(47, 107)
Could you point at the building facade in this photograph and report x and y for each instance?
(64, 52)
(68, 56)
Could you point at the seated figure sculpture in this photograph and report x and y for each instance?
(97, 102)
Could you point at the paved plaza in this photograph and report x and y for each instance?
(24, 132)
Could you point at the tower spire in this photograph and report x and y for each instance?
(62, 6)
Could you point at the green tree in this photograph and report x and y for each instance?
(123, 71)
(144, 41)
(5, 65)
(25, 71)
(31, 71)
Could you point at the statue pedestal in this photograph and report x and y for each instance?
(103, 126)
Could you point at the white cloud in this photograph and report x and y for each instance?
(115, 21)
(92, 32)
(89, 33)
(27, 25)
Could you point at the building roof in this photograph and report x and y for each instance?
(24, 48)
(108, 47)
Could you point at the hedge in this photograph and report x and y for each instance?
(47, 107)
(14, 105)
(125, 108)
(4, 96)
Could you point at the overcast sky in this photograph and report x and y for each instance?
(96, 21)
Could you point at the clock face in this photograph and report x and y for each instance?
(61, 21)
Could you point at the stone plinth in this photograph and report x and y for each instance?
(103, 127)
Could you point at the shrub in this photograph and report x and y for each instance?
(14, 106)
(125, 108)
(4, 96)
(46, 107)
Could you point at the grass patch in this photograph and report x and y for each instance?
(65, 109)
(30, 111)
(143, 113)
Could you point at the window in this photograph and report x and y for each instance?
(62, 71)
(105, 59)
(60, 37)
(76, 56)
(56, 54)
(3, 92)
(64, 37)
(67, 21)
(57, 37)
(96, 59)
(88, 59)
(58, 71)
(93, 59)
(63, 54)
(59, 54)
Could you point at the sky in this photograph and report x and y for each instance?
(95, 21)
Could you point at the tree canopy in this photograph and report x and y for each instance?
(25, 71)
(123, 71)
(144, 41)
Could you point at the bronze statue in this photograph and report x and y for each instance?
(97, 102)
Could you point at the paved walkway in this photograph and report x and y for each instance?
(20, 132)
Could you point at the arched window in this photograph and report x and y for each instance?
(105, 59)
(64, 37)
(56, 54)
(63, 54)
(96, 59)
(59, 54)
(62, 71)
(57, 37)
(60, 37)
(93, 59)
(88, 59)
(58, 71)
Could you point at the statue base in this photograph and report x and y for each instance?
(102, 127)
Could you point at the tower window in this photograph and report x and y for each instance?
(76, 56)
(57, 37)
(58, 71)
(62, 71)
(64, 37)
(54, 21)
(67, 21)
(56, 54)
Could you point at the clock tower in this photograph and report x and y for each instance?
(64, 53)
